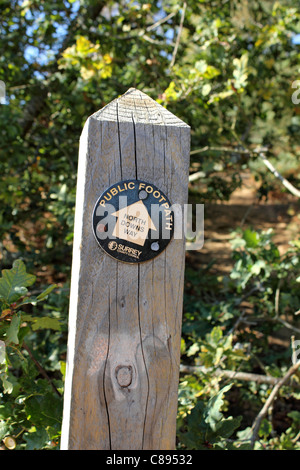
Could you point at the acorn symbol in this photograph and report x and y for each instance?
(9, 442)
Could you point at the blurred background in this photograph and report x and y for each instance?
(229, 69)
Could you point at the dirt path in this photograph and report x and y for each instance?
(280, 212)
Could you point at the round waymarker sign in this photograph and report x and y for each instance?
(133, 221)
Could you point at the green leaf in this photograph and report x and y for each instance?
(257, 267)
(215, 336)
(213, 412)
(63, 367)
(13, 330)
(34, 300)
(218, 356)
(193, 349)
(44, 410)
(45, 323)
(206, 424)
(251, 238)
(42, 323)
(7, 385)
(13, 282)
(46, 292)
(227, 426)
(206, 89)
(36, 439)
(237, 243)
(201, 66)
(5, 411)
(295, 415)
(265, 428)
(4, 429)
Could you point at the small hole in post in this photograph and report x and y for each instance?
(143, 194)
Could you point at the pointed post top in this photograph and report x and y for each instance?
(135, 105)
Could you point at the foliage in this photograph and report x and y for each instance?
(206, 426)
(231, 79)
(232, 334)
(30, 408)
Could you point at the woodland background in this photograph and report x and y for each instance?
(227, 68)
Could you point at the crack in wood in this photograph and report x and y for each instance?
(104, 375)
(119, 139)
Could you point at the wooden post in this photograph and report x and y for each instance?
(125, 319)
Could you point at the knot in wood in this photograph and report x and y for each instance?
(124, 375)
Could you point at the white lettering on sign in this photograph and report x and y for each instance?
(119, 188)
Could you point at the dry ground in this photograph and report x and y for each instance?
(280, 212)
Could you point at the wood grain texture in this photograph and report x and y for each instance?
(125, 319)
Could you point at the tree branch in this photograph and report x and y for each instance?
(40, 368)
(231, 374)
(284, 181)
(270, 400)
(257, 152)
(178, 36)
(161, 21)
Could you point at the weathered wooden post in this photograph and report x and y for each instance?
(126, 294)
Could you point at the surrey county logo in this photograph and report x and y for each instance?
(112, 246)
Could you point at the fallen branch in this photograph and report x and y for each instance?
(196, 176)
(223, 149)
(270, 400)
(274, 320)
(257, 152)
(284, 181)
(231, 374)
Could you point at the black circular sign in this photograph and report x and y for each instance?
(133, 221)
